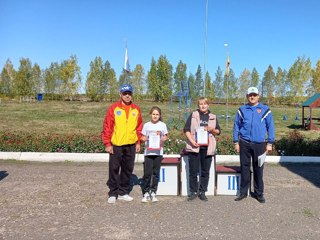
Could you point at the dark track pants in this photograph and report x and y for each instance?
(202, 161)
(250, 151)
(121, 165)
(152, 165)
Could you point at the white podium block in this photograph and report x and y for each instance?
(228, 180)
(185, 191)
(169, 178)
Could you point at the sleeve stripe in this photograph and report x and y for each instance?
(240, 113)
(265, 115)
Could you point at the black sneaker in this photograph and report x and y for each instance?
(192, 196)
(240, 197)
(261, 199)
(203, 197)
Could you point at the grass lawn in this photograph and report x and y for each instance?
(87, 117)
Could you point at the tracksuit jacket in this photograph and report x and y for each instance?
(252, 123)
(119, 130)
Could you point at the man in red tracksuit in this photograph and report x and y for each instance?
(121, 135)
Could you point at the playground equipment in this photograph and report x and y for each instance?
(310, 122)
(184, 96)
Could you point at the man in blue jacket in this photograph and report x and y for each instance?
(253, 135)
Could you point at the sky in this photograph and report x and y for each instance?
(258, 32)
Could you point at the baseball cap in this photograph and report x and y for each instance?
(252, 90)
(126, 88)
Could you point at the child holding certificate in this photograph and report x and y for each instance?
(154, 133)
(200, 130)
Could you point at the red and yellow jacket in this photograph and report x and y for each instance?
(119, 129)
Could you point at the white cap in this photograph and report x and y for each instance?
(253, 90)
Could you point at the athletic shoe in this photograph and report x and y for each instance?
(154, 197)
(112, 199)
(146, 198)
(203, 197)
(192, 196)
(240, 197)
(125, 197)
(261, 199)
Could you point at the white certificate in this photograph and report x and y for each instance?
(202, 136)
(261, 159)
(154, 141)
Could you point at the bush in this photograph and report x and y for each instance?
(293, 145)
(297, 145)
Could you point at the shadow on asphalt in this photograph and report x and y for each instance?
(134, 180)
(309, 171)
(3, 174)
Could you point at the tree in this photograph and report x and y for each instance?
(23, 82)
(209, 86)
(37, 79)
(192, 80)
(226, 83)
(315, 81)
(218, 84)
(113, 86)
(255, 78)
(152, 81)
(245, 80)
(299, 76)
(233, 86)
(179, 75)
(280, 82)
(138, 81)
(164, 78)
(51, 79)
(71, 77)
(7, 79)
(94, 82)
(268, 84)
(198, 85)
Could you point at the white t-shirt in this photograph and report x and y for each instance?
(154, 127)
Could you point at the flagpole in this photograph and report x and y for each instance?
(227, 79)
(205, 51)
(126, 65)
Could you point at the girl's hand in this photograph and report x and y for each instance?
(164, 138)
(143, 138)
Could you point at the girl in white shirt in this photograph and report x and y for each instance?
(154, 133)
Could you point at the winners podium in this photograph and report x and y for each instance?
(174, 178)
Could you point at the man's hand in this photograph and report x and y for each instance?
(138, 148)
(109, 149)
(237, 147)
(269, 148)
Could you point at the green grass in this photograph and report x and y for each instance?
(63, 117)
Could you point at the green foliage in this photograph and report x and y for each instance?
(198, 84)
(179, 75)
(298, 76)
(297, 145)
(13, 141)
(138, 81)
(28, 142)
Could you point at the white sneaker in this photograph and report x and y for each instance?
(154, 197)
(112, 199)
(125, 197)
(146, 198)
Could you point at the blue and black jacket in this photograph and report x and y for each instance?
(254, 124)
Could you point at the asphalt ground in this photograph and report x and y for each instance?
(69, 201)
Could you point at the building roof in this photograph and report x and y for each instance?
(313, 101)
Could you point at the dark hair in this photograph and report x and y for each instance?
(158, 109)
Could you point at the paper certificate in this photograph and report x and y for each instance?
(154, 141)
(202, 136)
(261, 159)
